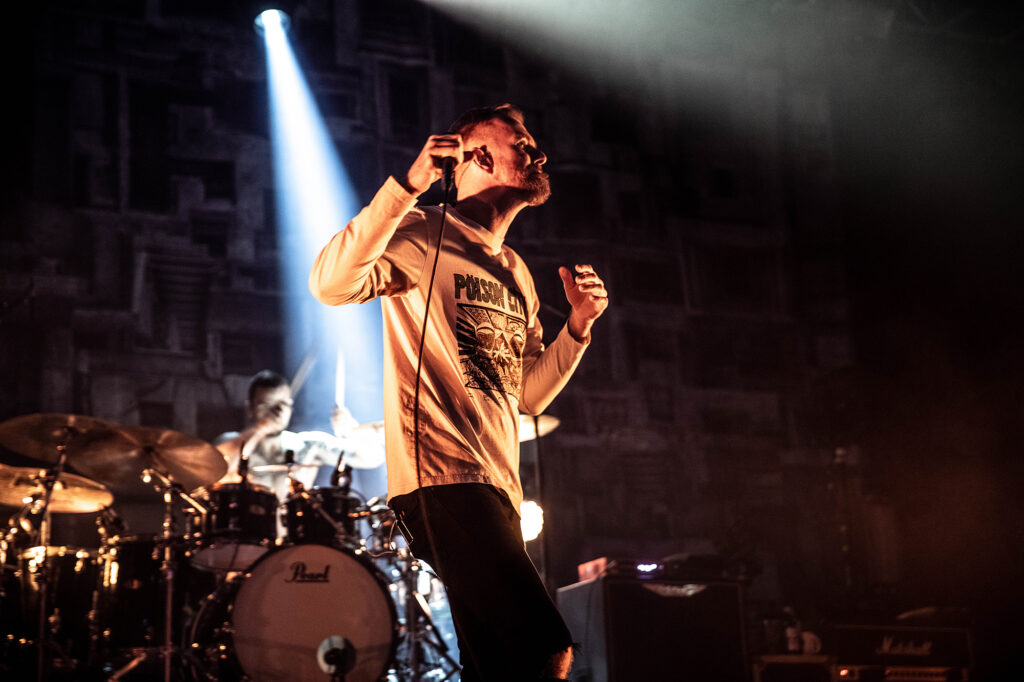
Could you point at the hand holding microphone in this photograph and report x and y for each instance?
(437, 161)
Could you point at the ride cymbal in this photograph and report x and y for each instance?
(119, 460)
(39, 436)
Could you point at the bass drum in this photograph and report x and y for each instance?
(276, 621)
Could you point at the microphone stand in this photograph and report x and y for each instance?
(539, 482)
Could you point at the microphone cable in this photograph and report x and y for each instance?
(447, 169)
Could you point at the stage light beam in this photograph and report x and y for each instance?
(315, 199)
(272, 20)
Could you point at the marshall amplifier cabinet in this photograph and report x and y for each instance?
(870, 653)
(631, 629)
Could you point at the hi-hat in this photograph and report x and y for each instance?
(281, 468)
(71, 493)
(39, 436)
(528, 431)
(120, 459)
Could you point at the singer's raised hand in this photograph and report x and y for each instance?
(586, 293)
(426, 169)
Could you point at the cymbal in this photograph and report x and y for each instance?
(370, 428)
(545, 424)
(367, 457)
(71, 493)
(369, 453)
(119, 459)
(281, 468)
(37, 436)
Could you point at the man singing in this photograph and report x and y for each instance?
(453, 470)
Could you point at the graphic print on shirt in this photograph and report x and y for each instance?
(491, 337)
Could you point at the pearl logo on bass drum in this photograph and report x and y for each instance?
(299, 574)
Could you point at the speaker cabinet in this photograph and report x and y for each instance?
(794, 668)
(631, 629)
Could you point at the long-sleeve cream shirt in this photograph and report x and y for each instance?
(483, 360)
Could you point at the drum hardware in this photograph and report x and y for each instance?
(420, 634)
(168, 488)
(109, 525)
(382, 528)
(131, 600)
(50, 438)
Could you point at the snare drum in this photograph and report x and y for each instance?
(270, 622)
(304, 523)
(239, 526)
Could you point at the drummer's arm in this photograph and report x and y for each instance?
(231, 445)
(324, 451)
(231, 450)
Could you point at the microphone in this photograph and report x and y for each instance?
(342, 474)
(448, 164)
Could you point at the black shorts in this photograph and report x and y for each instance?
(506, 623)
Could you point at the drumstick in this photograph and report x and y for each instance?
(339, 379)
(302, 373)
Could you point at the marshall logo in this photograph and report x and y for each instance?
(890, 647)
(301, 575)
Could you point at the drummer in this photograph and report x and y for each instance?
(268, 411)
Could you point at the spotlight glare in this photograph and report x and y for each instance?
(532, 520)
(271, 20)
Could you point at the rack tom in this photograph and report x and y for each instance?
(304, 523)
(239, 526)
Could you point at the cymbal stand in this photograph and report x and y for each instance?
(42, 506)
(169, 489)
(420, 631)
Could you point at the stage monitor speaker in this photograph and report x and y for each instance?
(632, 629)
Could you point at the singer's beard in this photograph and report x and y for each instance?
(535, 189)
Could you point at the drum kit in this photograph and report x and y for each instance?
(217, 594)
